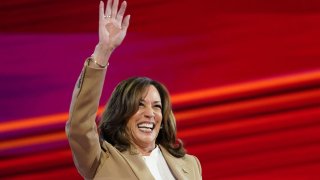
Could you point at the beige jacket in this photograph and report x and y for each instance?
(96, 159)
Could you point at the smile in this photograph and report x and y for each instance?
(146, 126)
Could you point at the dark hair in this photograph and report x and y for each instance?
(124, 102)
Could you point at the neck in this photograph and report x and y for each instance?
(145, 150)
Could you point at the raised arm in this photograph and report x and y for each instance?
(81, 128)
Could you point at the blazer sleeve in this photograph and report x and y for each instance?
(81, 128)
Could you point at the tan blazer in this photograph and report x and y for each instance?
(97, 159)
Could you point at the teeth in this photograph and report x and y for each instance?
(146, 125)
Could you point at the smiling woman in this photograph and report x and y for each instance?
(140, 109)
(137, 134)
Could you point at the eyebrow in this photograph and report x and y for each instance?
(153, 101)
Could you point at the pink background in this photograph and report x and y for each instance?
(244, 76)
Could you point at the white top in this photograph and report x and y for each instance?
(158, 165)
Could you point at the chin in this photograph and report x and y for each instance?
(150, 138)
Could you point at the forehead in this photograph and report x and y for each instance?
(151, 94)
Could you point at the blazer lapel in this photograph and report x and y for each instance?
(177, 166)
(138, 165)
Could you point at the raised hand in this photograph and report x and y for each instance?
(112, 29)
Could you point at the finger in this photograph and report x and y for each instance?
(101, 14)
(101, 20)
(108, 8)
(121, 11)
(114, 8)
(125, 23)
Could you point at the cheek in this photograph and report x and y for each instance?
(159, 118)
(132, 121)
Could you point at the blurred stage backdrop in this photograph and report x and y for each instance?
(244, 76)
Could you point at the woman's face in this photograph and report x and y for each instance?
(143, 127)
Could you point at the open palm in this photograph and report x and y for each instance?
(112, 26)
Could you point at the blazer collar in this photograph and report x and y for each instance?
(137, 164)
(177, 166)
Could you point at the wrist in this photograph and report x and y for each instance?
(104, 49)
(93, 63)
(102, 54)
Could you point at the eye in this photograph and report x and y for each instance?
(158, 106)
(141, 104)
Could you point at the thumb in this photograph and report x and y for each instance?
(125, 23)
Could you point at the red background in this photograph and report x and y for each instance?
(244, 76)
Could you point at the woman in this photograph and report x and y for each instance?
(137, 133)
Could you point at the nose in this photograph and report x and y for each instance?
(149, 112)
